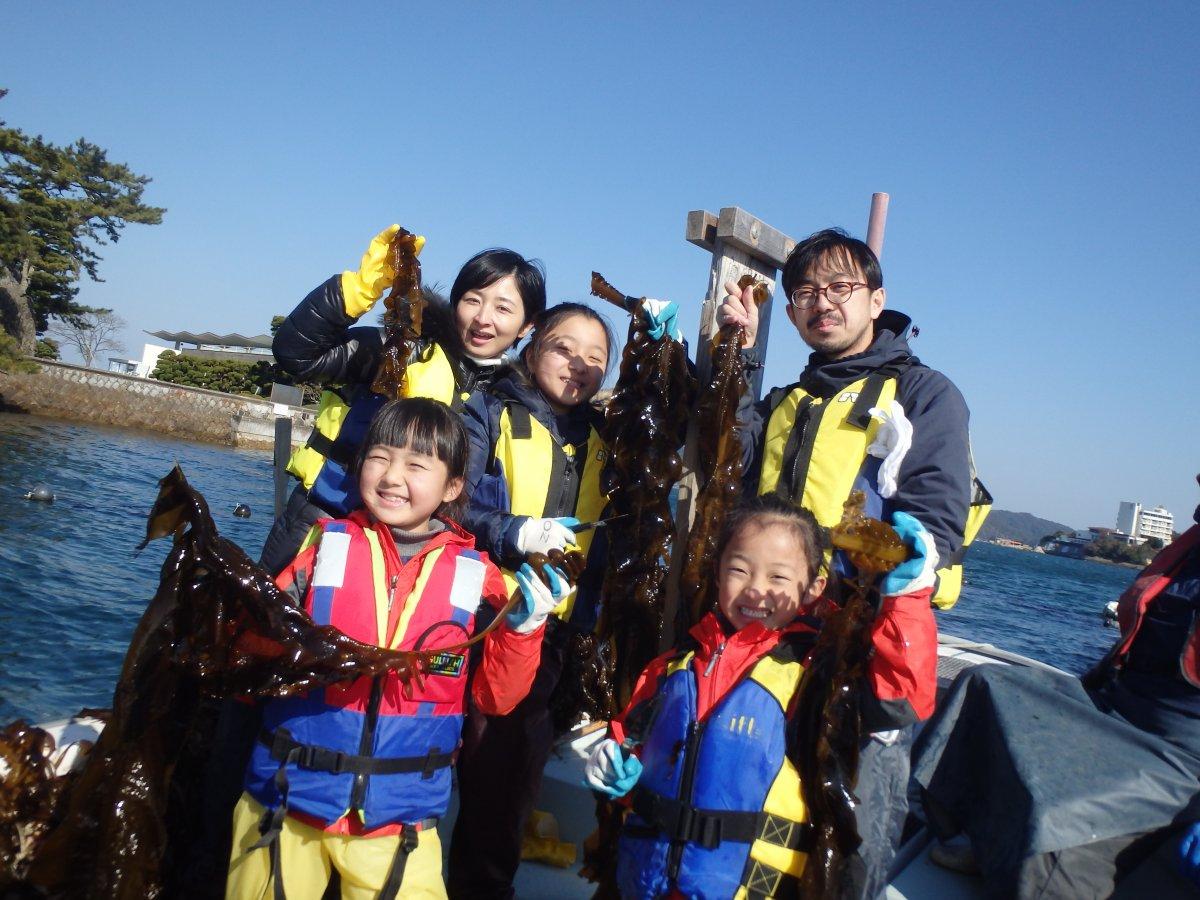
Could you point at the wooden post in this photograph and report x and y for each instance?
(283, 452)
(739, 243)
(876, 223)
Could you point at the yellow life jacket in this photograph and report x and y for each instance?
(815, 453)
(542, 479)
(759, 821)
(429, 374)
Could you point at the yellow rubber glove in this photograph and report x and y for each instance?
(362, 289)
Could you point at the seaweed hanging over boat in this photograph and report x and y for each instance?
(35, 773)
(719, 465)
(828, 716)
(404, 309)
(217, 627)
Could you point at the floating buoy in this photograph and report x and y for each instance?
(41, 493)
(1110, 613)
(242, 511)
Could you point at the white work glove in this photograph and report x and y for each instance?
(544, 535)
(537, 600)
(891, 443)
(610, 771)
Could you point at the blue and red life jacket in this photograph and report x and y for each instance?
(376, 745)
(718, 811)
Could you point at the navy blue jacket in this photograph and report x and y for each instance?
(496, 529)
(934, 483)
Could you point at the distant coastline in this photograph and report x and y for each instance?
(1017, 545)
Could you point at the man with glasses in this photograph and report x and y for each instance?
(866, 414)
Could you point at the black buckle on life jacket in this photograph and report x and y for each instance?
(432, 764)
(696, 827)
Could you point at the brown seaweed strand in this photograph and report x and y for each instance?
(29, 795)
(644, 427)
(719, 469)
(645, 424)
(828, 717)
(404, 309)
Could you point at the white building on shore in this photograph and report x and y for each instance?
(1140, 523)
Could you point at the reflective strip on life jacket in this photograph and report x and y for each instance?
(696, 830)
(815, 454)
(353, 590)
(541, 478)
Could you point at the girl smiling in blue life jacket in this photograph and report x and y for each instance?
(354, 776)
(492, 304)
(706, 742)
(536, 459)
(708, 723)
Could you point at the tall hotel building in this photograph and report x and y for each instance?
(1141, 523)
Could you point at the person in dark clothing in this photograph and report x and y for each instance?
(866, 414)
(492, 304)
(1045, 823)
(536, 460)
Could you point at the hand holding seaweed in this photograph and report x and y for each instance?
(404, 312)
(720, 463)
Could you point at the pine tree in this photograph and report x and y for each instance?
(57, 205)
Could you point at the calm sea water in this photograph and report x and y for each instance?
(72, 586)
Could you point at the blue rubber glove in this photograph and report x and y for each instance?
(610, 771)
(1189, 854)
(662, 318)
(918, 571)
(537, 600)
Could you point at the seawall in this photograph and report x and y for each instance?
(72, 392)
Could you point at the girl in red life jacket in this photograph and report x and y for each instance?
(354, 776)
(536, 461)
(716, 803)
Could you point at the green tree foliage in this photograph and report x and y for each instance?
(226, 375)
(47, 348)
(1116, 550)
(57, 205)
(12, 357)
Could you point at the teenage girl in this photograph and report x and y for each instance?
(536, 459)
(492, 305)
(706, 744)
(355, 776)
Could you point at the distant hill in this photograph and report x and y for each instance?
(1018, 526)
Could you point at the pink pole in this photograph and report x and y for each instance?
(875, 225)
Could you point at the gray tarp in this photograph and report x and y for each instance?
(1025, 764)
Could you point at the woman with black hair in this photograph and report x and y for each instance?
(536, 461)
(492, 305)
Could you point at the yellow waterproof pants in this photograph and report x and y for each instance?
(308, 855)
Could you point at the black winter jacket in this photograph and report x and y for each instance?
(317, 342)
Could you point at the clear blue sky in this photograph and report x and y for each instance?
(1041, 160)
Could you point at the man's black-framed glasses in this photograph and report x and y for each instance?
(838, 292)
